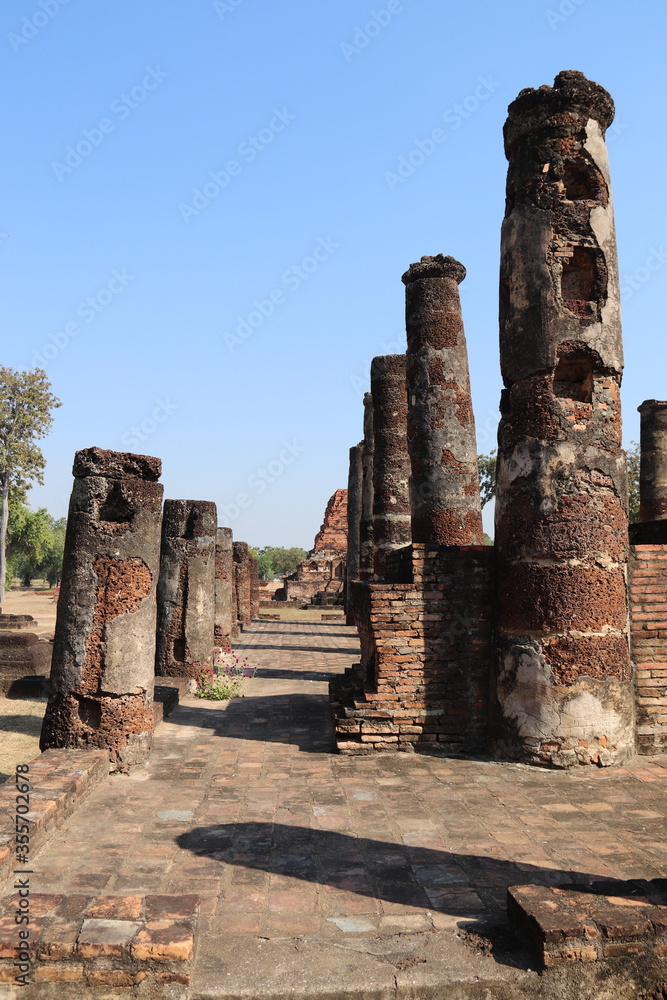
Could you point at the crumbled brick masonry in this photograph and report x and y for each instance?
(114, 941)
(648, 606)
(426, 650)
(225, 609)
(323, 572)
(104, 645)
(391, 463)
(603, 921)
(186, 589)
(332, 536)
(562, 688)
(444, 484)
(22, 654)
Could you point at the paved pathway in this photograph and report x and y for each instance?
(287, 841)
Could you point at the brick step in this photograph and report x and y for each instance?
(59, 780)
(592, 923)
(79, 942)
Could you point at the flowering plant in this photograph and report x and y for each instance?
(224, 678)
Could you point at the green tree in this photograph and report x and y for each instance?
(26, 402)
(487, 476)
(274, 561)
(633, 481)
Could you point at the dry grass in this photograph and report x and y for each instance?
(20, 726)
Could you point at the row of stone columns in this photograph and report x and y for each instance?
(561, 678)
(146, 591)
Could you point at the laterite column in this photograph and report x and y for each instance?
(391, 464)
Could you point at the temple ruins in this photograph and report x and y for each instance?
(320, 578)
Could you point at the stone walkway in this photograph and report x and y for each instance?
(296, 851)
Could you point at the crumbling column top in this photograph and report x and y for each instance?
(572, 94)
(435, 267)
(115, 465)
(650, 405)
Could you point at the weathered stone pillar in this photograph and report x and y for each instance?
(366, 551)
(563, 675)
(653, 460)
(391, 463)
(354, 489)
(254, 588)
(104, 646)
(242, 577)
(444, 485)
(225, 610)
(186, 591)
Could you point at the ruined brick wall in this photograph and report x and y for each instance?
(324, 569)
(186, 591)
(563, 692)
(332, 536)
(225, 608)
(426, 655)
(104, 646)
(648, 596)
(242, 576)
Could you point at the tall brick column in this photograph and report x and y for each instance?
(444, 485)
(186, 591)
(243, 583)
(225, 608)
(254, 588)
(104, 646)
(354, 489)
(563, 674)
(391, 464)
(653, 461)
(366, 551)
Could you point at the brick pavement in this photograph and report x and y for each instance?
(282, 839)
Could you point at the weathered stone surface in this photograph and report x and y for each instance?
(104, 645)
(444, 484)
(354, 506)
(391, 463)
(116, 465)
(563, 693)
(225, 610)
(254, 588)
(186, 591)
(366, 551)
(653, 461)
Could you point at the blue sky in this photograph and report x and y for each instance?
(205, 225)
